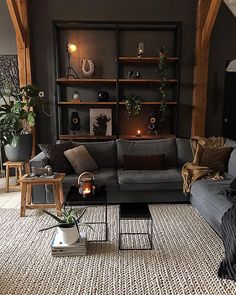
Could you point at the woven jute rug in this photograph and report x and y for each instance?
(185, 259)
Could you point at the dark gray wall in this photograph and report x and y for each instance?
(7, 33)
(43, 12)
(223, 48)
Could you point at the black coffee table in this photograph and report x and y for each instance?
(74, 198)
(135, 211)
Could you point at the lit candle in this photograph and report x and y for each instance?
(138, 133)
(86, 192)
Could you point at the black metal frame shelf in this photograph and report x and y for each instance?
(117, 82)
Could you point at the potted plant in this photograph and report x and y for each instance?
(68, 225)
(133, 105)
(17, 117)
(163, 66)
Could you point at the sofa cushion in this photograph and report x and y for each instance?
(56, 157)
(232, 163)
(184, 151)
(104, 153)
(106, 177)
(216, 158)
(146, 148)
(230, 142)
(80, 159)
(211, 191)
(170, 179)
(134, 162)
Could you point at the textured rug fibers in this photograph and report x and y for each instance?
(185, 259)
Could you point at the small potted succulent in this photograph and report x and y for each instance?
(68, 225)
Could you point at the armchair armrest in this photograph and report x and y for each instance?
(39, 161)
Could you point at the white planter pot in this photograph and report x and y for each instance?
(69, 235)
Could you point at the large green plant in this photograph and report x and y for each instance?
(17, 114)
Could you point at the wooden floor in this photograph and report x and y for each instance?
(11, 199)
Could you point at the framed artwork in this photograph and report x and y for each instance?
(100, 122)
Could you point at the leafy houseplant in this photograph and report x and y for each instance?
(163, 66)
(68, 225)
(133, 105)
(17, 117)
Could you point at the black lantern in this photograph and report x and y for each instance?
(86, 182)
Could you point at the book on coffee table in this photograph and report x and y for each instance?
(77, 249)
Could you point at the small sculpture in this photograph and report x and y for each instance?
(76, 96)
(103, 96)
(38, 171)
(140, 49)
(87, 67)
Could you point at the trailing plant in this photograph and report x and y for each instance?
(17, 114)
(70, 217)
(133, 105)
(163, 66)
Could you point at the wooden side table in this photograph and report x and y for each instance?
(19, 168)
(26, 190)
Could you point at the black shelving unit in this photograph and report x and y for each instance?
(118, 82)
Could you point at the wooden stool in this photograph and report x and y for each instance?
(26, 190)
(19, 168)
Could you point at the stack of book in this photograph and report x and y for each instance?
(77, 249)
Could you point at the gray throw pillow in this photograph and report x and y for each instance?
(56, 158)
(80, 159)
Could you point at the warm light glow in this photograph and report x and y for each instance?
(138, 133)
(87, 191)
(71, 47)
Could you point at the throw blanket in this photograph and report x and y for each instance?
(193, 171)
(227, 269)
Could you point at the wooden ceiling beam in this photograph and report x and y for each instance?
(210, 21)
(205, 21)
(16, 20)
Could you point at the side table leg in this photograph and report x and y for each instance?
(7, 180)
(61, 194)
(17, 175)
(23, 199)
(29, 194)
(57, 199)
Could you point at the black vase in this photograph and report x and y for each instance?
(22, 151)
(103, 96)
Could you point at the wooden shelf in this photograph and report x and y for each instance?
(65, 81)
(154, 102)
(69, 81)
(86, 137)
(145, 81)
(145, 137)
(148, 59)
(77, 102)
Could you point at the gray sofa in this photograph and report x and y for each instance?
(151, 186)
(208, 197)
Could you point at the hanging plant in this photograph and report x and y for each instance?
(163, 66)
(133, 105)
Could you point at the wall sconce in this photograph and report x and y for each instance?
(70, 72)
(86, 183)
